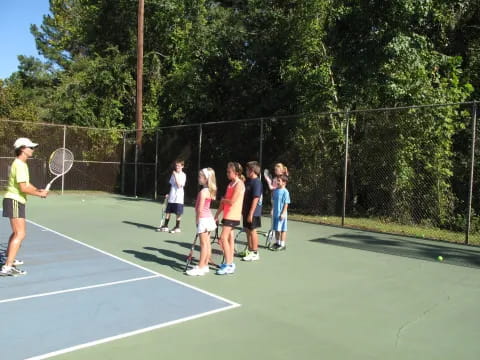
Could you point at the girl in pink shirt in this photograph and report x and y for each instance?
(231, 206)
(204, 219)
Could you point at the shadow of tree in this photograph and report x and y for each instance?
(461, 255)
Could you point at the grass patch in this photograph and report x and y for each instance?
(380, 225)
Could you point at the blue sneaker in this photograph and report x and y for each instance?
(226, 269)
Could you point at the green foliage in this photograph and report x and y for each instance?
(95, 92)
(220, 60)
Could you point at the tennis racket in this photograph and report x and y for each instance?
(216, 257)
(162, 221)
(266, 174)
(241, 242)
(270, 237)
(189, 259)
(60, 162)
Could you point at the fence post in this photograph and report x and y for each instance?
(64, 146)
(345, 167)
(472, 170)
(200, 135)
(122, 185)
(136, 171)
(260, 156)
(156, 166)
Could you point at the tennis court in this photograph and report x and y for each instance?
(102, 284)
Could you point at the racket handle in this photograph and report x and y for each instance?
(47, 188)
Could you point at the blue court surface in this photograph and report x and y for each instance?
(76, 296)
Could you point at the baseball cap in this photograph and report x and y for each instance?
(24, 142)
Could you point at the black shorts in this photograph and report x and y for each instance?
(174, 208)
(13, 208)
(255, 224)
(231, 223)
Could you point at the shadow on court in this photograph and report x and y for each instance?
(139, 225)
(427, 250)
(168, 258)
(182, 244)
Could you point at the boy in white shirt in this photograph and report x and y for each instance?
(175, 197)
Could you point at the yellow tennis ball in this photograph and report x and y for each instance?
(440, 258)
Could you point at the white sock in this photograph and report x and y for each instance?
(282, 243)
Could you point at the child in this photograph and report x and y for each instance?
(175, 197)
(231, 206)
(252, 210)
(204, 219)
(281, 199)
(279, 169)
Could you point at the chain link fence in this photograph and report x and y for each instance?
(404, 170)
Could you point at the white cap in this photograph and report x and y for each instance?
(24, 142)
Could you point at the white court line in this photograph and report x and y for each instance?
(138, 266)
(136, 332)
(77, 289)
(131, 333)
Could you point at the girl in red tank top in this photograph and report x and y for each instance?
(231, 206)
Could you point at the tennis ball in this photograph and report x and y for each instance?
(83, 200)
(440, 258)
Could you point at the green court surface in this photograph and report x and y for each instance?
(334, 294)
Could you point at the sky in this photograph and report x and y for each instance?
(15, 37)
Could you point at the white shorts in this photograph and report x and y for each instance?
(206, 225)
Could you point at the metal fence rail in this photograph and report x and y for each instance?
(409, 165)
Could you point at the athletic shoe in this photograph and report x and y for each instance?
(16, 271)
(274, 247)
(11, 271)
(175, 230)
(196, 271)
(252, 256)
(6, 271)
(16, 262)
(163, 229)
(280, 247)
(226, 269)
(243, 253)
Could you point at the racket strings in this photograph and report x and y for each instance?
(61, 161)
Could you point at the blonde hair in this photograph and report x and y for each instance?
(282, 168)
(209, 174)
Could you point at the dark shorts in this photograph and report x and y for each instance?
(231, 223)
(13, 209)
(173, 208)
(255, 224)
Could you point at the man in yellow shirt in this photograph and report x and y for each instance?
(14, 203)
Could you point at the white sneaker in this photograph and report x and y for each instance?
(196, 271)
(6, 271)
(252, 256)
(226, 269)
(11, 271)
(175, 230)
(162, 229)
(16, 262)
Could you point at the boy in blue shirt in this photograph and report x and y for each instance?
(281, 199)
(252, 209)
